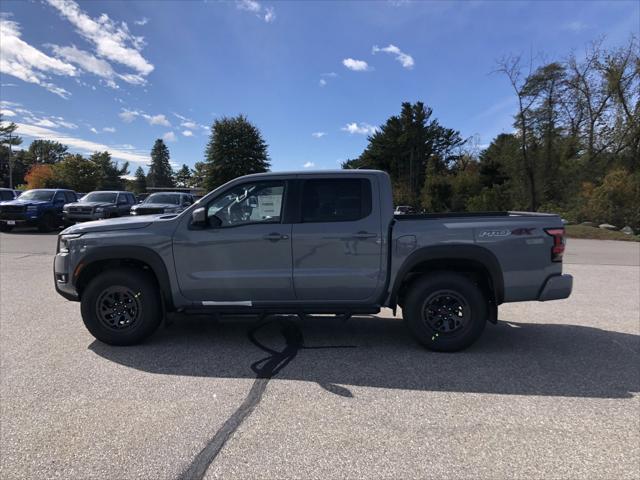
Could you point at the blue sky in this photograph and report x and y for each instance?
(315, 77)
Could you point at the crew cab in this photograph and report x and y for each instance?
(99, 205)
(41, 208)
(310, 243)
(163, 202)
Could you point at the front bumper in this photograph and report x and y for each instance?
(556, 288)
(82, 217)
(16, 222)
(62, 277)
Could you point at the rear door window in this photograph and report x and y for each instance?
(335, 200)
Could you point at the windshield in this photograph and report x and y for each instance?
(99, 197)
(163, 198)
(44, 195)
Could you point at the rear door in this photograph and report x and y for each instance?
(337, 241)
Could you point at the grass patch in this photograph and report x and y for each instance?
(594, 233)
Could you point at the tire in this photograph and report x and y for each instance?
(121, 306)
(446, 312)
(5, 228)
(47, 223)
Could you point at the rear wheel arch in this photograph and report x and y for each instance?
(106, 258)
(476, 262)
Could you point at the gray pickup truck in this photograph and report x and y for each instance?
(310, 243)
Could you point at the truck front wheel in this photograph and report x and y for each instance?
(121, 306)
(445, 312)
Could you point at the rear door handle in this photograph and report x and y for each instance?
(274, 237)
(363, 235)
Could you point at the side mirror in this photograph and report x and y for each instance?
(199, 217)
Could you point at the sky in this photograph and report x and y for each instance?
(315, 77)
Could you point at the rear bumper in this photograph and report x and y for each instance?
(556, 288)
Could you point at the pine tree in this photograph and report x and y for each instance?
(140, 183)
(235, 148)
(160, 173)
(183, 177)
(109, 172)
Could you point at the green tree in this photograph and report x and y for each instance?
(8, 140)
(140, 183)
(47, 151)
(160, 172)
(235, 148)
(77, 173)
(110, 173)
(183, 177)
(405, 146)
(199, 174)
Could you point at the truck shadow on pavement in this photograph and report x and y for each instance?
(510, 358)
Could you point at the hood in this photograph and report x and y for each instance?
(90, 204)
(120, 223)
(25, 203)
(156, 205)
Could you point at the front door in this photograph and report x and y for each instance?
(337, 245)
(244, 255)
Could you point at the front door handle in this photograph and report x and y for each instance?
(363, 235)
(274, 237)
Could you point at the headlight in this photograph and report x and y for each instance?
(63, 244)
(133, 212)
(170, 210)
(32, 208)
(99, 209)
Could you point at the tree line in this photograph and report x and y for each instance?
(235, 148)
(574, 149)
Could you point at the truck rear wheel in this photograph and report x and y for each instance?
(445, 312)
(121, 306)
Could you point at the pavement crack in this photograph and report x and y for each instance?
(265, 369)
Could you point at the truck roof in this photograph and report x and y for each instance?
(340, 172)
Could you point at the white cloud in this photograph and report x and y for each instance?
(268, 14)
(45, 122)
(187, 133)
(355, 65)
(157, 120)
(87, 62)
(7, 113)
(128, 116)
(143, 21)
(309, 165)
(27, 63)
(322, 82)
(318, 134)
(92, 129)
(169, 137)
(112, 40)
(576, 26)
(189, 124)
(405, 59)
(109, 129)
(359, 128)
(34, 131)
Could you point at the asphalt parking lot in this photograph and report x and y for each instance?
(551, 391)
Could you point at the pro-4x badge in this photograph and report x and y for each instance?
(494, 233)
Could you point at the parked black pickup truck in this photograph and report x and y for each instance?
(321, 242)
